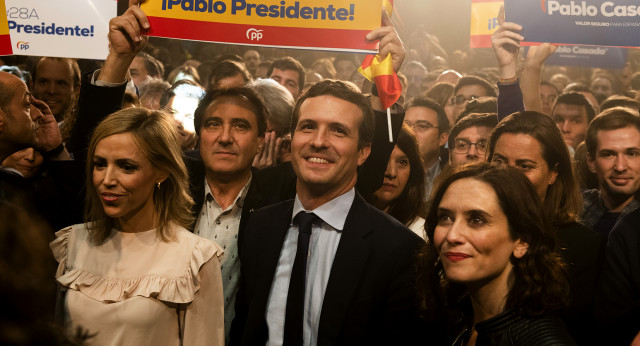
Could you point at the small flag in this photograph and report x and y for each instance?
(382, 74)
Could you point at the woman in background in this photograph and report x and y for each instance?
(402, 192)
(133, 274)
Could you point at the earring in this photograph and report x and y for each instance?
(158, 185)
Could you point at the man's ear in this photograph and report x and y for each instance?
(363, 154)
(443, 138)
(591, 162)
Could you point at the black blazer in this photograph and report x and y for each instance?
(370, 297)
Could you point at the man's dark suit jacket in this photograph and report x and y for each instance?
(370, 297)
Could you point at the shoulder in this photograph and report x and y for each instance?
(201, 247)
(544, 330)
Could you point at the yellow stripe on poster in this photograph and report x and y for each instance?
(484, 17)
(321, 14)
(4, 23)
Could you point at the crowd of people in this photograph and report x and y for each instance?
(213, 194)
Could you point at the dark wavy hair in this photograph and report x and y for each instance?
(563, 201)
(410, 203)
(539, 281)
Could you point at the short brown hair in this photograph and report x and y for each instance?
(346, 92)
(610, 119)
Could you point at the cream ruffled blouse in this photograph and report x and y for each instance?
(127, 291)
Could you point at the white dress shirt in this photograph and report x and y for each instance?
(323, 244)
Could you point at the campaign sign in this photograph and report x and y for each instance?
(592, 22)
(5, 39)
(484, 22)
(60, 28)
(588, 56)
(337, 25)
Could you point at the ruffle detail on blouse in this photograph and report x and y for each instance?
(59, 249)
(109, 290)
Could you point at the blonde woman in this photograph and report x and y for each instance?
(132, 274)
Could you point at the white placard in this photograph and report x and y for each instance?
(60, 28)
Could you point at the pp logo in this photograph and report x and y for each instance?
(22, 45)
(254, 34)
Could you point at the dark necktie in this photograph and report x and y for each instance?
(294, 316)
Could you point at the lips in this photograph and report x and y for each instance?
(110, 197)
(456, 256)
(619, 180)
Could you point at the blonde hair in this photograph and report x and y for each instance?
(154, 133)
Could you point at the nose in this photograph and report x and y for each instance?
(473, 151)
(36, 114)
(390, 173)
(319, 139)
(566, 126)
(455, 233)
(31, 154)
(225, 135)
(110, 177)
(621, 163)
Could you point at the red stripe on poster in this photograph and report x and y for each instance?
(261, 35)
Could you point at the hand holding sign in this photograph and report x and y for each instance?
(126, 40)
(506, 45)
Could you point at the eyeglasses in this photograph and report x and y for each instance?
(420, 125)
(459, 99)
(462, 146)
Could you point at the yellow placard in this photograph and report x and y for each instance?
(321, 14)
(484, 17)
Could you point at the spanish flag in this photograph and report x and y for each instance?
(382, 74)
(484, 22)
(5, 39)
(380, 71)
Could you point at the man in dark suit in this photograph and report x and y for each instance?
(359, 265)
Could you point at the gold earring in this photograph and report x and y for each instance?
(158, 185)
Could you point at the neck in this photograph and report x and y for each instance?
(489, 299)
(615, 202)
(428, 162)
(312, 197)
(225, 189)
(145, 221)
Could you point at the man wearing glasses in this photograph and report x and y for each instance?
(469, 138)
(431, 127)
(470, 88)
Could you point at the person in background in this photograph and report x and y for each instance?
(56, 81)
(289, 73)
(151, 93)
(229, 73)
(132, 274)
(548, 96)
(145, 67)
(402, 192)
(25, 162)
(251, 61)
(573, 112)
(490, 254)
(469, 138)
(181, 100)
(613, 154)
(442, 92)
(277, 140)
(470, 88)
(430, 124)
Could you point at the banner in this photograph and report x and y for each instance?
(593, 22)
(588, 56)
(5, 39)
(337, 25)
(60, 28)
(484, 22)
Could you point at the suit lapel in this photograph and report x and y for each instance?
(346, 271)
(271, 239)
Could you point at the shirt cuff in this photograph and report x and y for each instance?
(95, 81)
